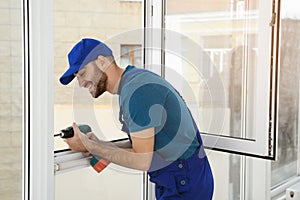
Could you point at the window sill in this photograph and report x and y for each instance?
(279, 191)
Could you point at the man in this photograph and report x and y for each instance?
(164, 139)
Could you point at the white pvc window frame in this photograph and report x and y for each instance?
(38, 54)
(38, 61)
(265, 111)
(38, 122)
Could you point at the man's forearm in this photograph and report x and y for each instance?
(123, 144)
(120, 154)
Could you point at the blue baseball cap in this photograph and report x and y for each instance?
(81, 54)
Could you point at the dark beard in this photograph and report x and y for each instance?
(101, 86)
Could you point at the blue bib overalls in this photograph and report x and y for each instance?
(189, 179)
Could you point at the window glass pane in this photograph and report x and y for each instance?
(131, 55)
(125, 50)
(216, 58)
(11, 105)
(288, 125)
(138, 52)
(138, 61)
(125, 60)
(111, 22)
(226, 178)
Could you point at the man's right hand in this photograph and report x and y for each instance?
(76, 142)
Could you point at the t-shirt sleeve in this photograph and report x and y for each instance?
(144, 107)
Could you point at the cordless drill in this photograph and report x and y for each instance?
(96, 162)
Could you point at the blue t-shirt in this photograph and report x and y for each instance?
(147, 100)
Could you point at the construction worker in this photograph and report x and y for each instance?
(163, 137)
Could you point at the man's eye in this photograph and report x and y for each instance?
(82, 73)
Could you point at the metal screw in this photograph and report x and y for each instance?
(292, 194)
(56, 167)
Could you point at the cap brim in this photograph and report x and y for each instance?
(68, 76)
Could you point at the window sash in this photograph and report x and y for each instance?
(264, 103)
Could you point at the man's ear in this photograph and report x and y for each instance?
(101, 62)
